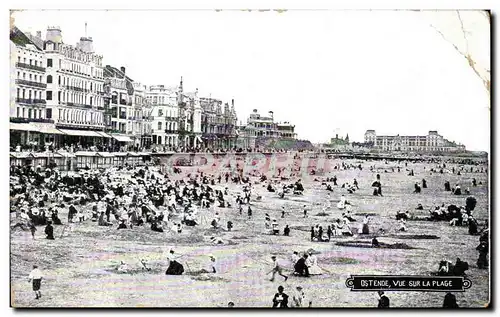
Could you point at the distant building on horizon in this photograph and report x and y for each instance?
(432, 142)
(260, 130)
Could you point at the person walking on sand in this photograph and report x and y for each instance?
(36, 277)
(299, 299)
(32, 229)
(276, 269)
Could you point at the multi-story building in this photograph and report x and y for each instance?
(27, 84)
(432, 142)
(143, 112)
(75, 84)
(126, 101)
(64, 89)
(189, 118)
(218, 127)
(165, 115)
(259, 129)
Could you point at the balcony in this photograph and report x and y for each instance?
(72, 104)
(30, 83)
(27, 120)
(31, 101)
(28, 66)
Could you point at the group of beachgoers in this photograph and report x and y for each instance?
(136, 196)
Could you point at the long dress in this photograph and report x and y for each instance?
(365, 229)
(312, 264)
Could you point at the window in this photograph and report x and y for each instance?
(59, 80)
(29, 94)
(48, 113)
(160, 112)
(29, 113)
(30, 77)
(90, 101)
(24, 112)
(24, 93)
(49, 95)
(49, 79)
(18, 75)
(36, 63)
(31, 61)
(58, 95)
(49, 62)
(159, 126)
(18, 60)
(18, 92)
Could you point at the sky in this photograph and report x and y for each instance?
(327, 72)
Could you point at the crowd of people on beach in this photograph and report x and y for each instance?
(150, 195)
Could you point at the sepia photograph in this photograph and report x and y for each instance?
(249, 158)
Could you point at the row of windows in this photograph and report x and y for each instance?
(25, 52)
(168, 113)
(28, 94)
(31, 61)
(74, 97)
(80, 116)
(31, 77)
(168, 126)
(161, 99)
(75, 82)
(169, 140)
(29, 113)
(77, 68)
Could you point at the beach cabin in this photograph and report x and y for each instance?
(86, 159)
(105, 159)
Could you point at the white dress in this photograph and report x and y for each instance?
(312, 264)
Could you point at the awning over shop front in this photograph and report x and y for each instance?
(105, 135)
(81, 133)
(121, 138)
(23, 127)
(49, 130)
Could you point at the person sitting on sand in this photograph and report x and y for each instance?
(312, 264)
(300, 267)
(122, 225)
(123, 267)
(444, 268)
(156, 225)
(457, 190)
(102, 221)
(402, 224)
(211, 266)
(49, 231)
(286, 231)
(417, 190)
(216, 240)
(275, 227)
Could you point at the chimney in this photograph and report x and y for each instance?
(122, 69)
(232, 102)
(39, 34)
